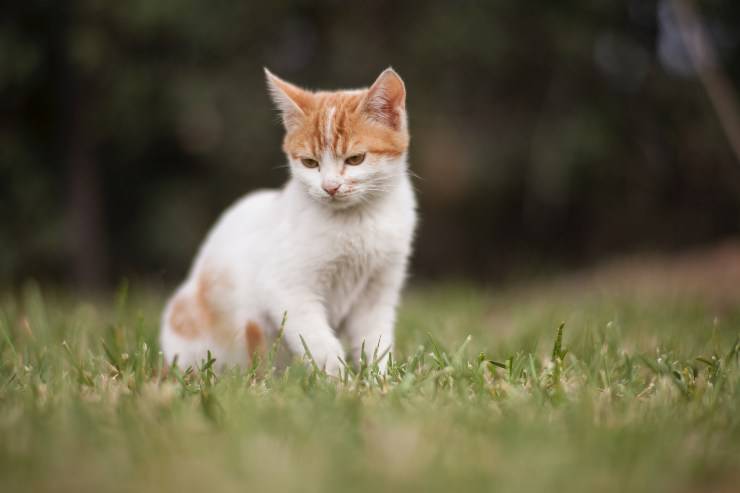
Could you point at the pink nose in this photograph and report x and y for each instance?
(330, 188)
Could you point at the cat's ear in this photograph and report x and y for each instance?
(292, 101)
(386, 100)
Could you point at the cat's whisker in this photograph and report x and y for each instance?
(413, 174)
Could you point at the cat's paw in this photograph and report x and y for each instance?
(326, 353)
(333, 368)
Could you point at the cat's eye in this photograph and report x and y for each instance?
(355, 160)
(309, 163)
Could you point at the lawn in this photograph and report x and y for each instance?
(641, 394)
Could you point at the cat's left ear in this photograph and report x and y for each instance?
(386, 100)
(292, 101)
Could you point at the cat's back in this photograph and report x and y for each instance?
(252, 209)
(248, 219)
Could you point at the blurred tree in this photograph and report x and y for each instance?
(578, 132)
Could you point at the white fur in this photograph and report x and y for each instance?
(335, 265)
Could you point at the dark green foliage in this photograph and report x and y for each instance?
(542, 132)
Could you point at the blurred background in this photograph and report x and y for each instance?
(546, 135)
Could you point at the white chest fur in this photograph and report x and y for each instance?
(274, 252)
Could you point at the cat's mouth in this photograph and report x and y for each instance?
(337, 198)
(343, 194)
(340, 200)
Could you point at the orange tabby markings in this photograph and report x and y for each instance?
(339, 122)
(255, 340)
(204, 295)
(193, 315)
(185, 318)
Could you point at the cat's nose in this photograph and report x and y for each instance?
(331, 187)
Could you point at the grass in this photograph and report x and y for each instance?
(639, 392)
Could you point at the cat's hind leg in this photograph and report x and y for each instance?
(185, 330)
(193, 325)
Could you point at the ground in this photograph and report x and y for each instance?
(641, 394)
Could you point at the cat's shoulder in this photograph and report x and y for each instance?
(249, 210)
(253, 202)
(257, 198)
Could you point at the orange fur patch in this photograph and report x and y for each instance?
(204, 294)
(351, 131)
(192, 315)
(255, 340)
(185, 317)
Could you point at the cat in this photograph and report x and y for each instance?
(329, 250)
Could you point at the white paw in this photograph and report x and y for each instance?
(326, 352)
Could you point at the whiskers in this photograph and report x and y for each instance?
(281, 166)
(377, 186)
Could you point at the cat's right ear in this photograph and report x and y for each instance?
(292, 101)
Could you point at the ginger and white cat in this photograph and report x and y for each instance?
(330, 248)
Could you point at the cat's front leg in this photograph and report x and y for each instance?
(370, 323)
(309, 322)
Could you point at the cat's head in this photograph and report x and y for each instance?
(344, 147)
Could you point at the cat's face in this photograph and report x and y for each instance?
(344, 147)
